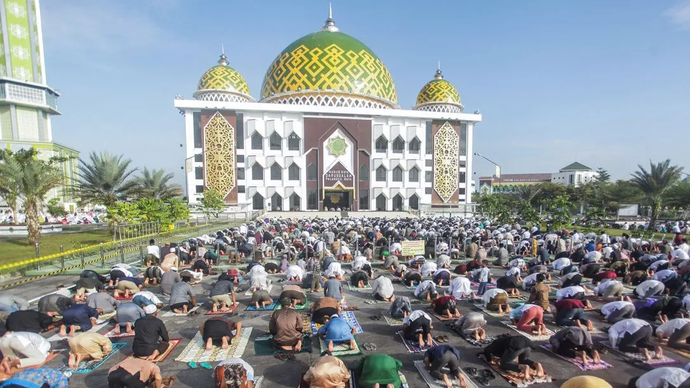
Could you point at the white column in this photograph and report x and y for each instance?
(189, 152)
(469, 174)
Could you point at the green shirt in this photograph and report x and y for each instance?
(379, 368)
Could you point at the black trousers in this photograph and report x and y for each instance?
(631, 343)
(120, 378)
(573, 281)
(420, 324)
(448, 360)
(568, 349)
(522, 355)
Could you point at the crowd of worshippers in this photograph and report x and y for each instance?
(311, 254)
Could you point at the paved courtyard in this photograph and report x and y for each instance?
(286, 373)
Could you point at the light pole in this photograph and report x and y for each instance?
(498, 167)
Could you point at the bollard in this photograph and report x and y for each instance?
(62, 259)
(38, 253)
(141, 254)
(82, 259)
(122, 252)
(102, 256)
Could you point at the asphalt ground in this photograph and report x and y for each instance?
(287, 373)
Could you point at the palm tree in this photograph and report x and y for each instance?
(654, 184)
(528, 193)
(34, 181)
(10, 174)
(103, 180)
(155, 184)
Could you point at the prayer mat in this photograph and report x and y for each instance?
(638, 357)
(250, 293)
(219, 312)
(120, 297)
(410, 287)
(413, 347)
(471, 339)
(123, 334)
(263, 346)
(306, 324)
(494, 314)
(173, 314)
(341, 349)
(56, 337)
(532, 337)
(390, 320)
(664, 344)
(593, 332)
(51, 355)
(578, 362)
(88, 366)
(434, 383)
(358, 289)
(196, 349)
(161, 357)
(514, 378)
(441, 317)
(349, 317)
(374, 301)
(269, 307)
(298, 307)
(353, 380)
(53, 326)
(488, 285)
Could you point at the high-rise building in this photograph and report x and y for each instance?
(26, 101)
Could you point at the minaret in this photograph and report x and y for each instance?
(330, 23)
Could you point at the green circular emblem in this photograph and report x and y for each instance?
(337, 146)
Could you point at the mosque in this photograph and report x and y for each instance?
(327, 133)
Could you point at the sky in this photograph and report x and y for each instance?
(604, 83)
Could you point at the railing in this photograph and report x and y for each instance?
(87, 255)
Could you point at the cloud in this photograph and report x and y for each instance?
(679, 15)
(98, 27)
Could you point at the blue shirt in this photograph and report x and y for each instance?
(437, 352)
(337, 329)
(79, 315)
(333, 288)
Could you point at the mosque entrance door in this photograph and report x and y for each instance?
(336, 199)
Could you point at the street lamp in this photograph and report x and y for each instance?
(498, 167)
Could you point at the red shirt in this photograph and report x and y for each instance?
(605, 275)
(442, 301)
(569, 304)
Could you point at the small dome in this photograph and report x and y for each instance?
(222, 83)
(329, 68)
(439, 95)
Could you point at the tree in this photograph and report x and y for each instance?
(155, 184)
(678, 195)
(123, 213)
(177, 209)
(602, 176)
(35, 180)
(56, 208)
(655, 183)
(528, 214)
(527, 194)
(9, 181)
(211, 204)
(560, 212)
(103, 179)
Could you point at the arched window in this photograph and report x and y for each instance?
(295, 202)
(294, 142)
(397, 202)
(414, 202)
(364, 173)
(293, 172)
(311, 172)
(398, 145)
(276, 203)
(381, 174)
(276, 172)
(275, 142)
(397, 174)
(257, 202)
(414, 174)
(257, 141)
(381, 144)
(381, 202)
(257, 172)
(414, 146)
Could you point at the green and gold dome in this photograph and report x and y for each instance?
(329, 68)
(439, 95)
(223, 83)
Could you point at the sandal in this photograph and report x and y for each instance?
(472, 371)
(280, 356)
(206, 365)
(445, 338)
(192, 365)
(290, 356)
(483, 381)
(488, 374)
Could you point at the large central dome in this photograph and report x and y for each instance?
(329, 68)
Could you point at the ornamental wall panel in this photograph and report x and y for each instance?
(446, 167)
(219, 154)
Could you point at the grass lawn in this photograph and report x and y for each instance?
(20, 249)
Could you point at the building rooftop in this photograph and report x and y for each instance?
(575, 167)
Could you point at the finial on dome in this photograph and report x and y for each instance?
(439, 74)
(223, 58)
(330, 23)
